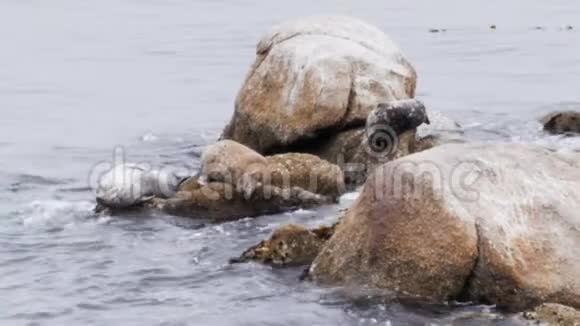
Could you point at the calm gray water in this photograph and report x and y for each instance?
(158, 78)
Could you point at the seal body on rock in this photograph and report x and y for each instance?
(129, 185)
(219, 202)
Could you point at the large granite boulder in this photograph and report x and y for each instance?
(495, 223)
(315, 77)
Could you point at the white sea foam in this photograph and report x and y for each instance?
(349, 197)
(55, 213)
(149, 137)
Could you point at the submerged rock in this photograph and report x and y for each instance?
(472, 222)
(553, 314)
(219, 202)
(291, 245)
(562, 122)
(316, 77)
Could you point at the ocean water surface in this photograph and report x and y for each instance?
(155, 80)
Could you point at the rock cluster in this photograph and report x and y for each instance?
(312, 87)
(328, 97)
(329, 104)
(247, 184)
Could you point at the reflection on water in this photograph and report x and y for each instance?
(159, 78)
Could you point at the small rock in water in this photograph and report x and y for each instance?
(538, 28)
(569, 27)
(493, 27)
(553, 314)
(291, 245)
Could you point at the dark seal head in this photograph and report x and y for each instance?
(392, 121)
(400, 116)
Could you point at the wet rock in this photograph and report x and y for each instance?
(389, 133)
(440, 127)
(219, 202)
(562, 122)
(291, 245)
(230, 162)
(306, 171)
(553, 314)
(235, 182)
(464, 221)
(352, 152)
(233, 163)
(314, 78)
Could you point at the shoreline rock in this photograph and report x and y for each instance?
(290, 245)
(221, 202)
(503, 233)
(562, 122)
(553, 314)
(237, 182)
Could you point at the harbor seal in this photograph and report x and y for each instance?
(129, 185)
(400, 115)
(387, 123)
